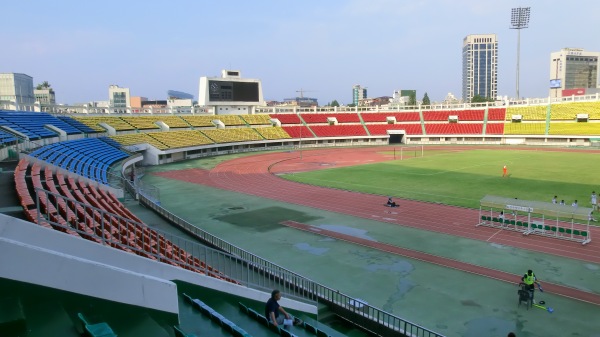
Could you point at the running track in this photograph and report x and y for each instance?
(257, 175)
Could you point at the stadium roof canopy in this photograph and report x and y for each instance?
(179, 94)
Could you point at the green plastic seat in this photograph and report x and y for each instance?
(180, 333)
(243, 307)
(584, 233)
(553, 228)
(568, 230)
(561, 230)
(576, 232)
(513, 222)
(547, 228)
(97, 329)
(520, 223)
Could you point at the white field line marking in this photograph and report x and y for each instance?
(500, 230)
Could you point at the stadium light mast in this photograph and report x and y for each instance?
(519, 19)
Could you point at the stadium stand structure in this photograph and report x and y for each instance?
(67, 203)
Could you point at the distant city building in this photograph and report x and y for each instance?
(450, 99)
(154, 103)
(480, 66)
(181, 105)
(45, 96)
(16, 91)
(377, 101)
(402, 97)
(303, 102)
(571, 69)
(358, 93)
(136, 101)
(119, 98)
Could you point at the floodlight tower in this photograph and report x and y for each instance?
(519, 19)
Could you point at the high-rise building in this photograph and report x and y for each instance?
(573, 68)
(358, 93)
(480, 66)
(17, 89)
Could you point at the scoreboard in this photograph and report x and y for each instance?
(230, 91)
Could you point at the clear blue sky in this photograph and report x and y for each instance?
(326, 46)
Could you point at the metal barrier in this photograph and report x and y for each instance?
(300, 287)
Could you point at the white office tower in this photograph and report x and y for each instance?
(480, 66)
(573, 71)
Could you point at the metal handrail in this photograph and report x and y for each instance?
(297, 284)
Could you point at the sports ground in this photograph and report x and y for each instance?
(425, 261)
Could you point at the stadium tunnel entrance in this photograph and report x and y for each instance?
(396, 136)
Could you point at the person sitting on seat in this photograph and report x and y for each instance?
(392, 203)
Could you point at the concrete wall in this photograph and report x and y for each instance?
(33, 254)
(39, 255)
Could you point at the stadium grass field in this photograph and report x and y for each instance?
(463, 177)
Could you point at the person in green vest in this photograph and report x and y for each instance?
(530, 281)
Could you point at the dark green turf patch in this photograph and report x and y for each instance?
(266, 219)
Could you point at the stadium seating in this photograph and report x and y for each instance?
(6, 138)
(453, 128)
(78, 125)
(138, 138)
(312, 118)
(68, 210)
(574, 128)
(88, 157)
(199, 121)
(528, 113)
(463, 115)
(496, 114)
(94, 122)
(569, 111)
(298, 131)
(175, 139)
(232, 135)
(287, 118)
(494, 128)
(338, 130)
(259, 119)
(381, 129)
(32, 124)
(141, 122)
(274, 132)
(323, 117)
(373, 117)
(524, 128)
(230, 120)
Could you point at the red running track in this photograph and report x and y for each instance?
(257, 175)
